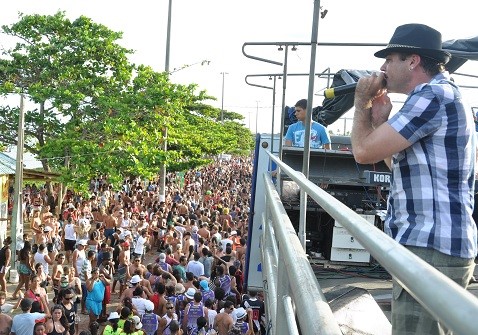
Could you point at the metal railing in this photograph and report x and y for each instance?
(288, 274)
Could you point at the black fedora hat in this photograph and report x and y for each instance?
(418, 39)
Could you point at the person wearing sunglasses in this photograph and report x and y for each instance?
(66, 299)
(167, 319)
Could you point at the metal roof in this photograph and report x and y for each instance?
(7, 164)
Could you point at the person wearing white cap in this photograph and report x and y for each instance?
(194, 309)
(138, 325)
(128, 292)
(149, 319)
(113, 328)
(240, 324)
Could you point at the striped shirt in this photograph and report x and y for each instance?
(431, 197)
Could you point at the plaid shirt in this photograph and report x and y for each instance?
(431, 196)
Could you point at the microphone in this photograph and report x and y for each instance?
(333, 92)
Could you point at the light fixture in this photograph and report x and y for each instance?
(270, 77)
(280, 48)
(294, 48)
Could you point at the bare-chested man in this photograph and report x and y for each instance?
(111, 223)
(123, 267)
(203, 231)
(223, 321)
(136, 265)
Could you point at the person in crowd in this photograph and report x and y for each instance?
(85, 275)
(113, 328)
(5, 256)
(5, 319)
(57, 273)
(193, 311)
(430, 202)
(252, 302)
(69, 238)
(96, 286)
(24, 323)
(295, 136)
(166, 320)
(150, 320)
(58, 324)
(37, 293)
(25, 268)
(66, 300)
(106, 269)
(224, 321)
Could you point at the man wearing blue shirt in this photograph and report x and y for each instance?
(295, 136)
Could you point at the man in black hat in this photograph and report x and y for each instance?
(429, 146)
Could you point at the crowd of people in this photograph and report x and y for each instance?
(132, 261)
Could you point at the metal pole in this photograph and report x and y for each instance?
(164, 146)
(308, 122)
(168, 38)
(17, 212)
(222, 100)
(257, 113)
(284, 86)
(273, 114)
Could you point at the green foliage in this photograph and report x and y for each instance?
(96, 113)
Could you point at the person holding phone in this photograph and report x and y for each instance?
(96, 286)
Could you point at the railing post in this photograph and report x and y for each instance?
(282, 291)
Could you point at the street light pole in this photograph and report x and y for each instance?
(257, 113)
(222, 100)
(164, 147)
(17, 212)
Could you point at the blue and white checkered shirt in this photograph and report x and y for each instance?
(431, 196)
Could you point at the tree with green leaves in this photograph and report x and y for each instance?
(97, 114)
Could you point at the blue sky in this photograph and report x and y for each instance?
(215, 30)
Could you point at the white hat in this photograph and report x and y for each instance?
(83, 242)
(70, 206)
(135, 279)
(137, 322)
(162, 256)
(233, 232)
(194, 229)
(240, 313)
(148, 306)
(190, 293)
(113, 315)
(47, 228)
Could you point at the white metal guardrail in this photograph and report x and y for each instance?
(289, 273)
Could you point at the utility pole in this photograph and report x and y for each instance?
(17, 212)
(222, 100)
(164, 147)
(257, 113)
